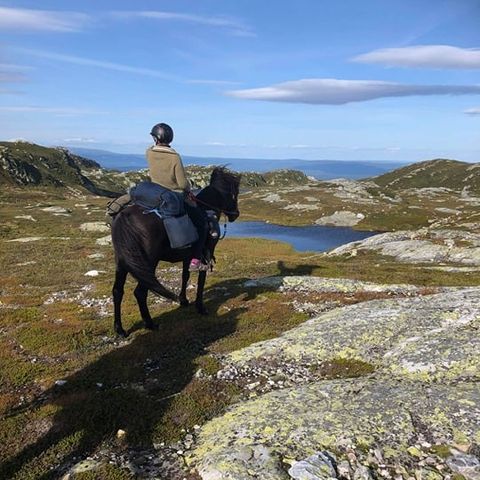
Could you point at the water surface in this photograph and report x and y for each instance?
(303, 239)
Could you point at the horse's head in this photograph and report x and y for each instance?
(227, 184)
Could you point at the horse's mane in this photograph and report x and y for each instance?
(225, 180)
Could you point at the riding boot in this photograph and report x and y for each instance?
(199, 219)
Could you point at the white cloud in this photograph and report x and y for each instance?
(473, 111)
(331, 91)
(89, 62)
(424, 56)
(26, 20)
(232, 25)
(212, 82)
(61, 111)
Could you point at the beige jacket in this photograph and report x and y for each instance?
(166, 168)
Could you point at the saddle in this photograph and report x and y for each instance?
(170, 207)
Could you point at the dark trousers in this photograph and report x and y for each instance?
(199, 219)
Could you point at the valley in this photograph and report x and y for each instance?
(361, 361)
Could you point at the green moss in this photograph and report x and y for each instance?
(208, 364)
(343, 368)
(443, 451)
(105, 472)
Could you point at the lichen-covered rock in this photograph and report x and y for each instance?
(421, 246)
(426, 337)
(316, 467)
(327, 285)
(104, 241)
(343, 218)
(94, 227)
(365, 413)
(466, 465)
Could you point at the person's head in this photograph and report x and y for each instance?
(162, 134)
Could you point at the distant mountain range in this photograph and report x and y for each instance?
(320, 169)
(24, 163)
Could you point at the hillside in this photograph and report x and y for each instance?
(438, 173)
(373, 359)
(25, 163)
(363, 360)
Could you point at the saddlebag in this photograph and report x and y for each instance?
(170, 207)
(180, 230)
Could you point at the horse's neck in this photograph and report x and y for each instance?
(211, 198)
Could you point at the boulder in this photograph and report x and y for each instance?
(342, 218)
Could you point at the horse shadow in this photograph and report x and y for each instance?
(132, 387)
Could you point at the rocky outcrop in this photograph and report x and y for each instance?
(354, 418)
(421, 246)
(413, 408)
(23, 163)
(424, 338)
(343, 218)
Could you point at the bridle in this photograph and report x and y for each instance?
(216, 209)
(211, 207)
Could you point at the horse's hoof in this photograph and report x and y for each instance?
(184, 302)
(121, 332)
(202, 310)
(151, 326)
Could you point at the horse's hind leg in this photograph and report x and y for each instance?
(120, 277)
(141, 292)
(185, 276)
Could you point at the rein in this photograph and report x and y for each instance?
(211, 207)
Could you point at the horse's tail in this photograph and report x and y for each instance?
(129, 243)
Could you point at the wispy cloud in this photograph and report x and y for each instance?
(89, 62)
(232, 25)
(424, 56)
(80, 140)
(472, 111)
(60, 111)
(10, 76)
(330, 91)
(10, 73)
(26, 20)
(212, 82)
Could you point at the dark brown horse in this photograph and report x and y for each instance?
(140, 242)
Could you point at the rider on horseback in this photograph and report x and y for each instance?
(167, 170)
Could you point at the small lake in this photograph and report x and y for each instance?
(315, 238)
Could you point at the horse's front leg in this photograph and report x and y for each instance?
(201, 309)
(185, 277)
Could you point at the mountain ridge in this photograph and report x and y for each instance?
(320, 169)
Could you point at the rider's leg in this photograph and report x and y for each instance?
(199, 219)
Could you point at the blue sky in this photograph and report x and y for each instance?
(312, 79)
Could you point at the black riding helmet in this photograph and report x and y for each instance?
(162, 133)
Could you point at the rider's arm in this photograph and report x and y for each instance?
(181, 177)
